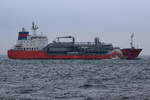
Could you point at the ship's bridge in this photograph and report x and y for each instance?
(31, 42)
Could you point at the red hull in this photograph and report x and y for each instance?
(13, 54)
(130, 53)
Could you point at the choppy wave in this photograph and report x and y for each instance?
(112, 79)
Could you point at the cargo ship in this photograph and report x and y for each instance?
(36, 46)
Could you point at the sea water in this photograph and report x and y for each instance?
(111, 79)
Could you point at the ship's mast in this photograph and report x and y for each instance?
(34, 28)
(131, 43)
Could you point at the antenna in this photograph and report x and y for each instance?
(34, 28)
(131, 43)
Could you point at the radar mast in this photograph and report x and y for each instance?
(34, 28)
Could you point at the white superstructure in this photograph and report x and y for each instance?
(31, 42)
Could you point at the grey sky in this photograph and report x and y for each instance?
(111, 20)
